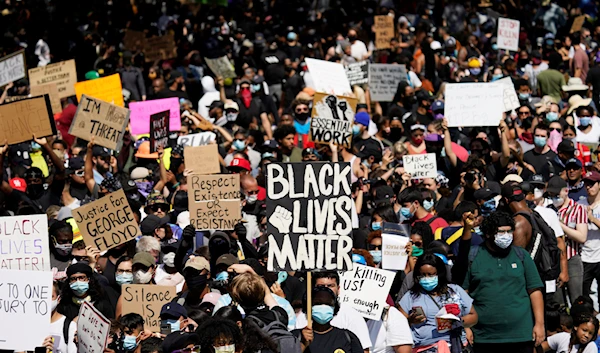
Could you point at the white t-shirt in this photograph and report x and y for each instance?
(163, 278)
(62, 344)
(591, 137)
(590, 251)
(552, 219)
(347, 318)
(560, 343)
(393, 331)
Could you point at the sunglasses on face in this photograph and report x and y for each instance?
(302, 110)
(161, 207)
(524, 113)
(555, 129)
(373, 247)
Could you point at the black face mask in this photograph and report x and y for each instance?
(351, 38)
(175, 164)
(35, 191)
(395, 134)
(408, 101)
(301, 117)
(196, 283)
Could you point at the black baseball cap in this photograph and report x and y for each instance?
(555, 185)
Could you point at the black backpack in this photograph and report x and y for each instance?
(286, 341)
(543, 246)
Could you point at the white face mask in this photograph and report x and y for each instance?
(538, 193)
(557, 202)
(141, 277)
(251, 199)
(225, 349)
(54, 304)
(169, 259)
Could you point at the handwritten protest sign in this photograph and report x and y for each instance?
(141, 111)
(329, 77)
(159, 48)
(63, 73)
(508, 34)
(332, 119)
(12, 67)
(366, 290)
(92, 330)
(358, 73)
(384, 31)
(420, 166)
(384, 79)
(509, 95)
(147, 301)
(309, 208)
(159, 130)
(105, 121)
(106, 88)
(107, 222)
(199, 139)
(24, 243)
(577, 24)
(221, 67)
(393, 242)
(134, 40)
(202, 159)
(214, 202)
(474, 104)
(22, 119)
(26, 298)
(52, 91)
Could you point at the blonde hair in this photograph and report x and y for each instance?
(247, 289)
(399, 149)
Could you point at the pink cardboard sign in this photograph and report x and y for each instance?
(141, 111)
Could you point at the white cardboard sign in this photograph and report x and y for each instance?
(329, 77)
(384, 80)
(366, 289)
(199, 139)
(92, 330)
(508, 34)
(24, 243)
(509, 95)
(394, 256)
(420, 166)
(474, 104)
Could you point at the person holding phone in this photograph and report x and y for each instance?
(430, 294)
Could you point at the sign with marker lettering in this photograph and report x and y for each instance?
(24, 243)
(420, 166)
(508, 34)
(366, 289)
(214, 202)
(12, 67)
(106, 88)
(147, 301)
(199, 139)
(25, 309)
(474, 104)
(509, 95)
(141, 111)
(329, 77)
(309, 213)
(384, 31)
(202, 159)
(358, 73)
(159, 130)
(159, 48)
(105, 121)
(107, 222)
(22, 119)
(332, 119)
(394, 238)
(92, 330)
(384, 80)
(51, 90)
(221, 67)
(63, 73)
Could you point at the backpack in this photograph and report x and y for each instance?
(475, 249)
(543, 247)
(279, 333)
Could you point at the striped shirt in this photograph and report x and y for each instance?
(571, 215)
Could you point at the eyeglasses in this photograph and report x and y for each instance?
(373, 247)
(418, 243)
(194, 349)
(162, 207)
(555, 129)
(252, 192)
(524, 113)
(82, 278)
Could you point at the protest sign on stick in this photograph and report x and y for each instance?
(106, 88)
(92, 330)
(202, 159)
(309, 208)
(358, 73)
(214, 201)
(12, 67)
(221, 67)
(199, 139)
(420, 166)
(25, 298)
(366, 289)
(474, 104)
(329, 77)
(394, 238)
(577, 24)
(147, 301)
(105, 121)
(159, 48)
(508, 34)
(332, 119)
(107, 222)
(384, 79)
(22, 119)
(63, 73)
(141, 111)
(24, 243)
(52, 91)
(384, 31)
(159, 130)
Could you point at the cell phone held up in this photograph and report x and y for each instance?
(165, 328)
(418, 311)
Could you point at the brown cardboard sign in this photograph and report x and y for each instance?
(134, 40)
(105, 121)
(22, 119)
(147, 300)
(384, 31)
(159, 48)
(51, 90)
(214, 201)
(577, 23)
(107, 222)
(63, 73)
(202, 159)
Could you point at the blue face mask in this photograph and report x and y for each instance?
(551, 116)
(129, 342)
(376, 256)
(355, 130)
(585, 121)
(497, 77)
(429, 283)
(376, 225)
(494, 46)
(477, 230)
(175, 325)
(428, 205)
(222, 276)
(124, 278)
(524, 96)
(488, 207)
(539, 141)
(322, 314)
(405, 212)
(239, 145)
(503, 240)
(80, 288)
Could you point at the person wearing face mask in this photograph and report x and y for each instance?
(405, 100)
(272, 61)
(62, 331)
(143, 269)
(541, 154)
(581, 151)
(252, 110)
(61, 245)
(533, 69)
(358, 49)
(420, 237)
(416, 145)
(430, 293)
(240, 145)
(123, 272)
(133, 326)
(519, 283)
(524, 93)
(196, 272)
(166, 273)
(322, 337)
(588, 125)
(175, 86)
(301, 112)
(174, 315)
(218, 335)
(413, 211)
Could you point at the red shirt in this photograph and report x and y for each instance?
(63, 122)
(439, 222)
(262, 193)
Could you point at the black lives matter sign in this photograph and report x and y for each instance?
(332, 119)
(159, 130)
(309, 216)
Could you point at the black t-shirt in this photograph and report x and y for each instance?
(336, 340)
(593, 78)
(273, 63)
(293, 52)
(291, 87)
(167, 93)
(246, 115)
(52, 196)
(538, 160)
